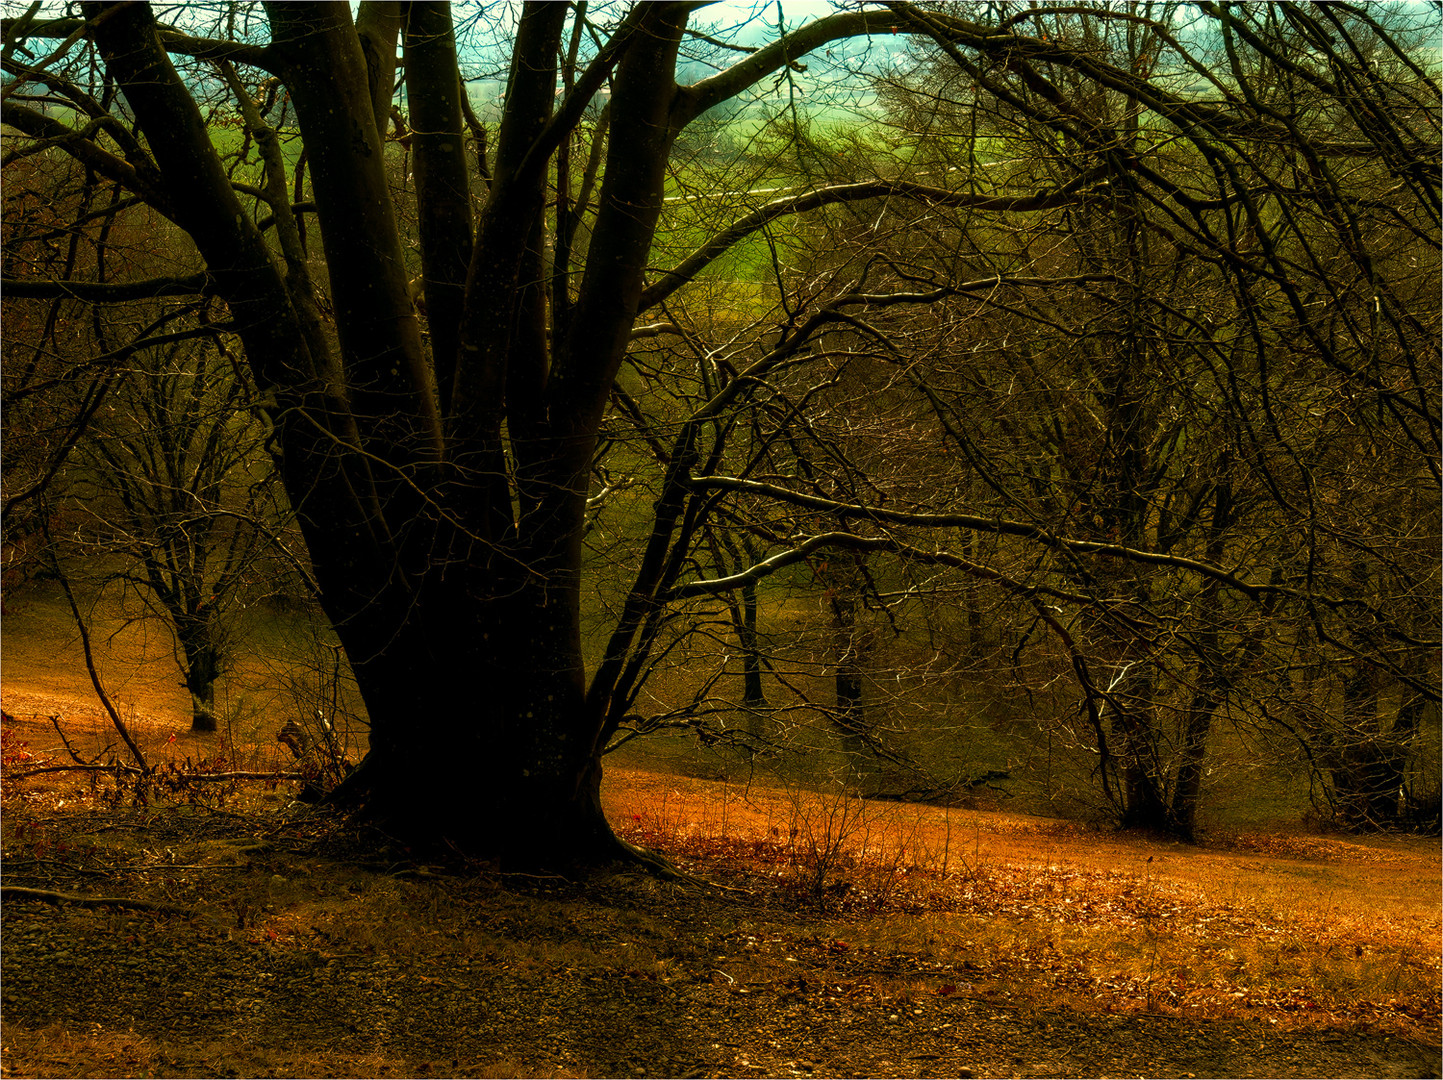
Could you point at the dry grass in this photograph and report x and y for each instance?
(1293, 929)
(44, 675)
(101, 1052)
(57, 1051)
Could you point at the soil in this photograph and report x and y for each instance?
(306, 952)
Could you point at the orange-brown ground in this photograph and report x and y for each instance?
(825, 936)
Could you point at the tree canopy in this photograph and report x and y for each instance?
(1119, 323)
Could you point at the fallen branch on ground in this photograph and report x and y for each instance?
(214, 776)
(132, 770)
(47, 896)
(117, 767)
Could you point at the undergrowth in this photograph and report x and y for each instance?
(1044, 916)
(1117, 940)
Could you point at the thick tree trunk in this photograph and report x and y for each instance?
(480, 735)
(1145, 809)
(1213, 677)
(202, 699)
(1420, 808)
(1145, 806)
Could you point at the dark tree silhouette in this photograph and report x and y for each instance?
(439, 442)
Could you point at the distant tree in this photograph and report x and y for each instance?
(173, 503)
(128, 440)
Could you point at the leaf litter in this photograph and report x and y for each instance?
(316, 954)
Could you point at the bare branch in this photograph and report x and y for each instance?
(848, 193)
(104, 292)
(175, 41)
(49, 896)
(696, 99)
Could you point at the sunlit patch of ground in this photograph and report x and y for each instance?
(819, 905)
(1293, 928)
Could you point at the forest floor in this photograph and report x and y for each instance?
(822, 936)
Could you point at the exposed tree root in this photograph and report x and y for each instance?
(663, 867)
(655, 863)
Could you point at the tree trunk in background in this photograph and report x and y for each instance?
(1367, 774)
(849, 712)
(1211, 687)
(972, 603)
(753, 697)
(200, 645)
(202, 670)
(743, 613)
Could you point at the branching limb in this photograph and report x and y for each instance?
(90, 656)
(103, 292)
(1000, 526)
(175, 41)
(1072, 191)
(80, 146)
(55, 722)
(696, 99)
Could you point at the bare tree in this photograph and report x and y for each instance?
(444, 462)
(171, 494)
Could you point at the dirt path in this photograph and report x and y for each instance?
(300, 962)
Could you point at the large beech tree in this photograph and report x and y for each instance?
(441, 474)
(441, 487)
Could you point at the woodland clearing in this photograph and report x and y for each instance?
(824, 936)
(637, 540)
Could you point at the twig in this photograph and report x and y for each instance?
(11, 860)
(117, 767)
(20, 892)
(120, 767)
(989, 1002)
(55, 721)
(218, 776)
(199, 777)
(707, 883)
(520, 874)
(90, 659)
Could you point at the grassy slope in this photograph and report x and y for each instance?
(997, 907)
(277, 677)
(1258, 922)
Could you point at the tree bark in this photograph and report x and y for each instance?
(202, 669)
(1211, 689)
